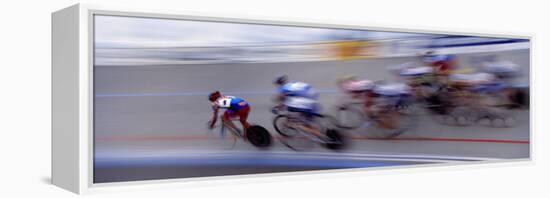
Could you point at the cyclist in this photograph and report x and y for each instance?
(370, 95)
(421, 80)
(355, 88)
(235, 107)
(430, 82)
(443, 64)
(505, 72)
(300, 101)
(358, 91)
(469, 87)
(287, 89)
(380, 101)
(384, 103)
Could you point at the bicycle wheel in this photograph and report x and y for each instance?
(297, 142)
(294, 138)
(280, 123)
(498, 118)
(462, 116)
(336, 140)
(258, 136)
(390, 125)
(349, 117)
(438, 105)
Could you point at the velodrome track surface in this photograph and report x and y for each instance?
(150, 122)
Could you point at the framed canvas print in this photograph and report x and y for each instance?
(142, 96)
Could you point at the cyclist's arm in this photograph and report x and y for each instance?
(215, 109)
(281, 94)
(280, 97)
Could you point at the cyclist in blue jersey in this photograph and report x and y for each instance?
(297, 89)
(287, 89)
(234, 107)
(300, 100)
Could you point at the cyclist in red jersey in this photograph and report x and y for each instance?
(235, 107)
(443, 64)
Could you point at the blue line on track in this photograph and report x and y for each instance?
(250, 161)
(236, 93)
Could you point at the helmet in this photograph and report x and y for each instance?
(214, 95)
(347, 78)
(358, 85)
(429, 53)
(280, 80)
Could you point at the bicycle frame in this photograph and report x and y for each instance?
(224, 125)
(300, 120)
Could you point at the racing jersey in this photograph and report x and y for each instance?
(298, 89)
(500, 68)
(301, 104)
(230, 102)
(416, 71)
(392, 89)
(357, 85)
(439, 58)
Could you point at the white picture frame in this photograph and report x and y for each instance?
(72, 92)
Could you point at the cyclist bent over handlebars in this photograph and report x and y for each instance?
(235, 107)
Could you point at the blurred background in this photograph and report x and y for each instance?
(153, 76)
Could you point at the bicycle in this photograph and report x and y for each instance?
(480, 107)
(291, 127)
(446, 103)
(388, 121)
(257, 135)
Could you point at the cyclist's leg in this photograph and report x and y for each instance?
(243, 117)
(389, 119)
(226, 118)
(383, 114)
(370, 106)
(309, 117)
(279, 101)
(392, 114)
